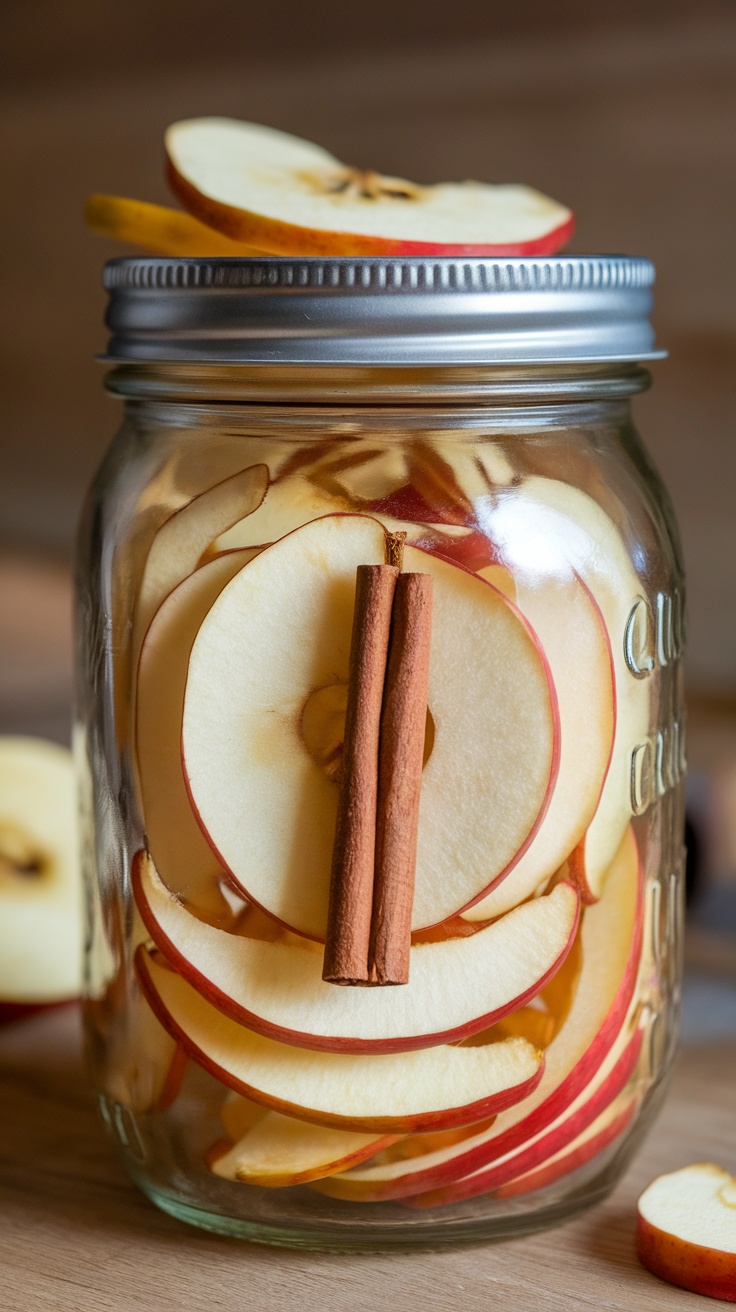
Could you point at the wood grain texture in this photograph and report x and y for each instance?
(75, 1234)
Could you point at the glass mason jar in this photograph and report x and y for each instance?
(518, 834)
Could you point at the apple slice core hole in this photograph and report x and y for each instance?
(322, 728)
(19, 857)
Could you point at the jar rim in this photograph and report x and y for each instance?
(441, 311)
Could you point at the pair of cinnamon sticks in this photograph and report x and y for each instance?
(374, 857)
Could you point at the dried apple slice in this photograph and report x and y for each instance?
(566, 619)
(456, 987)
(387, 1093)
(548, 526)
(40, 881)
(279, 632)
(144, 1065)
(158, 229)
(277, 1151)
(686, 1231)
(184, 537)
(291, 197)
(582, 1055)
(594, 1140)
(180, 850)
(377, 1183)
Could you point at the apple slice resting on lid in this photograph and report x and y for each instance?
(288, 196)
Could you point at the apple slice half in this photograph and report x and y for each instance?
(280, 632)
(158, 228)
(181, 852)
(388, 1093)
(40, 881)
(277, 1151)
(185, 536)
(569, 624)
(588, 1046)
(549, 526)
(455, 989)
(686, 1232)
(288, 196)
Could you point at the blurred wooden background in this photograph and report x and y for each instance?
(626, 111)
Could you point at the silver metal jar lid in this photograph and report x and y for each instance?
(383, 312)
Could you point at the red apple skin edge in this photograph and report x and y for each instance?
(292, 240)
(439, 1120)
(535, 1154)
(572, 1161)
(323, 1043)
(691, 1266)
(172, 1083)
(553, 773)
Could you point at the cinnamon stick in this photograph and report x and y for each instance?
(351, 888)
(401, 756)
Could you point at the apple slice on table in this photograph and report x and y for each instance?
(455, 989)
(594, 1140)
(570, 627)
(548, 526)
(184, 537)
(433, 1088)
(279, 634)
(40, 878)
(591, 1035)
(277, 1151)
(686, 1232)
(180, 850)
(254, 183)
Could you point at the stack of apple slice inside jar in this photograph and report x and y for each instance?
(510, 1058)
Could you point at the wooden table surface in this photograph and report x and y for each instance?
(76, 1236)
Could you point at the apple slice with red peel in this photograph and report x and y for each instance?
(279, 633)
(586, 1048)
(433, 1088)
(40, 880)
(686, 1231)
(288, 196)
(594, 1140)
(408, 1180)
(277, 1151)
(286, 506)
(455, 989)
(601, 1093)
(184, 537)
(566, 618)
(181, 852)
(550, 526)
(145, 1065)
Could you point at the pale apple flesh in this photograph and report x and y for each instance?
(40, 880)
(386, 1093)
(686, 1230)
(456, 987)
(279, 631)
(276, 1151)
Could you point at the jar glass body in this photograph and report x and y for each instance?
(216, 1063)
